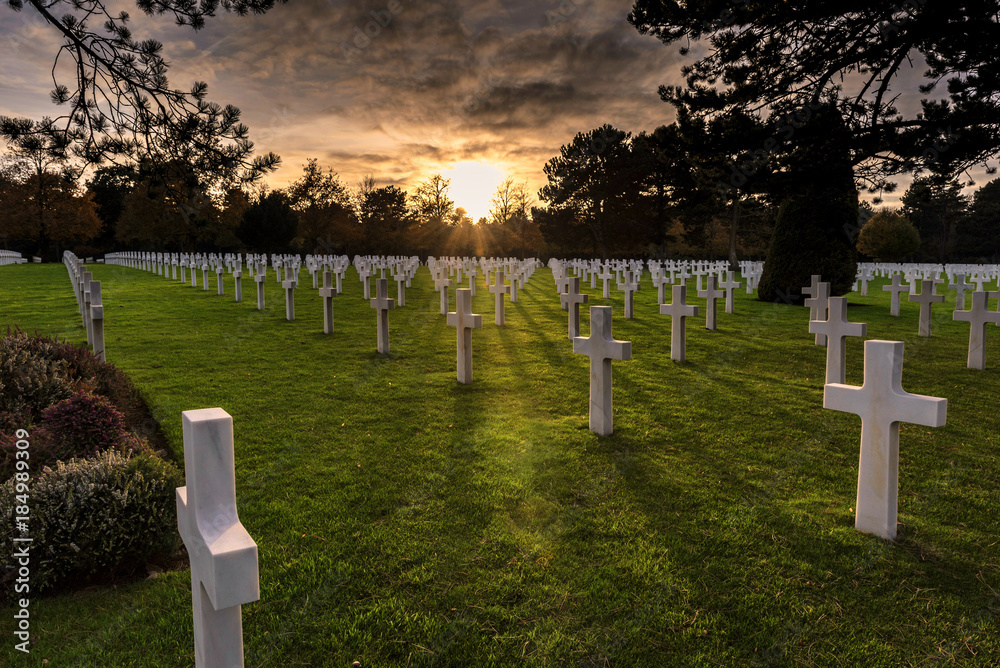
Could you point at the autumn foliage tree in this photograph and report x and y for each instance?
(888, 236)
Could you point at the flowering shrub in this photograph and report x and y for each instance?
(80, 426)
(104, 517)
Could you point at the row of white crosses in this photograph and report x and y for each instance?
(89, 301)
(11, 257)
(880, 402)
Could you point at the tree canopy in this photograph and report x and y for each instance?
(118, 103)
(779, 62)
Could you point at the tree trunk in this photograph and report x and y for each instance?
(734, 265)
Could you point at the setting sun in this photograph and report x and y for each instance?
(473, 185)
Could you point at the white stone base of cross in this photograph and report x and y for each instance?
(882, 405)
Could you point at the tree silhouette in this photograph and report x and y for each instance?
(119, 104)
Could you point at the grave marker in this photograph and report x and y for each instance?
(572, 300)
(601, 347)
(464, 320)
(97, 320)
(818, 305)
(223, 556)
(836, 329)
(382, 305)
(289, 286)
(926, 298)
(882, 404)
(327, 292)
(896, 288)
(977, 317)
(678, 311)
(710, 294)
(499, 289)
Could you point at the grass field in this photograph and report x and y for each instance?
(406, 520)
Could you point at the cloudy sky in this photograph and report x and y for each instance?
(401, 89)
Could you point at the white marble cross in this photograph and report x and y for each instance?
(818, 305)
(960, 286)
(464, 320)
(977, 317)
(327, 292)
(601, 347)
(223, 556)
(204, 275)
(400, 278)
(441, 285)
(629, 287)
(660, 281)
(289, 286)
(606, 277)
(499, 289)
(926, 298)
(678, 311)
(260, 278)
(382, 305)
(729, 285)
(97, 320)
(238, 282)
(710, 294)
(571, 301)
(219, 276)
(364, 275)
(896, 288)
(836, 329)
(882, 405)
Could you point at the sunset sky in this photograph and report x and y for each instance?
(474, 89)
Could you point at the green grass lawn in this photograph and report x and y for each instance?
(406, 520)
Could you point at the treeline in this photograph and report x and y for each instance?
(609, 194)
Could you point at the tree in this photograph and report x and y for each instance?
(888, 236)
(811, 231)
(596, 176)
(780, 63)
(937, 208)
(431, 201)
(167, 207)
(510, 217)
(326, 214)
(110, 185)
(269, 224)
(386, 220)
(47, 208)
(979, 237)
(119, 103)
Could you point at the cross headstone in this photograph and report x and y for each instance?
(729, 285)
(327, 292)
(896, 288)
(601, 347)
(678, 310)
(629, 287)
(926, 298)
(882, 405)
(223, 556)
(959, 286)
(571, 300)
(400, 278)
(289, 285)
(97, 320)
(711, 295)
(204, 275)
(382, 305)
(836, 329)
(364, 274)
(464, 320)
(238, 282)
(977, 317)
(499, 289)
(260, 278)
(606, 277)
(562, 285)
(441, 285)
(818, 305)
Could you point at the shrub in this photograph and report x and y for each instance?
(888, 236)
(94, 519)
(80, 426)
(31, 378)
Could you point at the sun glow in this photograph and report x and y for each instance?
(473, 185)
